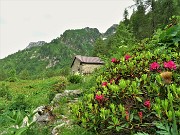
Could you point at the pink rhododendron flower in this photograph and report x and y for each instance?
(147, 104)
(127, 56)
(140, 115)
(154, 66)
(104, 84)
(170, 64)
(99, 97)
(114, 60)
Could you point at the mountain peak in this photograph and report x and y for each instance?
(34, 44)
(110, 31)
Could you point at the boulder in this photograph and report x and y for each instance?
(43, 114)
(65, 93)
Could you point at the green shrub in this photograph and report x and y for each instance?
(12, 79)
(12, 76)
(60, 85)
(9, 119)
(51, 96)
(132, 93)
(37, 129)
(19, 103)
(4, 92)
(75, 78)
(89, 81)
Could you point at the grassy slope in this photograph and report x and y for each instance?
(35, 91)
(37, 94)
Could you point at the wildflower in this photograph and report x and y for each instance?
(147, 104)
(127, 56)
(140, 115)
(170, 64)
(104, 84)
(154, 66)
(99, 97)
(114, 60)
(127, 115)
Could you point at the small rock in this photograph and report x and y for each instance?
(56, 129)
(72, 92)
(25, 122)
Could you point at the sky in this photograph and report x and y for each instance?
(25, 21)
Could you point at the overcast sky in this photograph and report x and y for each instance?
(25, 21)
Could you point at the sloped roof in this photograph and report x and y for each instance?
(86, 59)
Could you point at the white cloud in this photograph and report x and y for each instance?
(24, 21)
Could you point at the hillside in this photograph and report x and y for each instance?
(41, 59)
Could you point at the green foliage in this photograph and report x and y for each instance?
(139, 22)
(63, 107)
(26, 95)
(60, 85)
(12, 79)
(120, 42)
(3, 75)
(24, 75)
(32, 92)
(82, 38)
(75, 130)
(75, 78)
(12, 76)
(19, 103)
(171, 37)
(122, 37)
(168, 38)
(149, 16)
(4, 92)
(166, 129)
(36, 129)
(65, 71)
(11, 122)
(86, 83)
(129, 96)
(99, 48)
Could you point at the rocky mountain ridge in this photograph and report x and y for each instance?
(34, 44)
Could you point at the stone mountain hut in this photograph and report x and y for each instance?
(85, 65)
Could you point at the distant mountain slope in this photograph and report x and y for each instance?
(110, 31)
(81, 40)
(39, 57)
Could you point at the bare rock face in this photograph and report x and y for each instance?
(34, 44)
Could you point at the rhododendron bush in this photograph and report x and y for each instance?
(133, 93)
